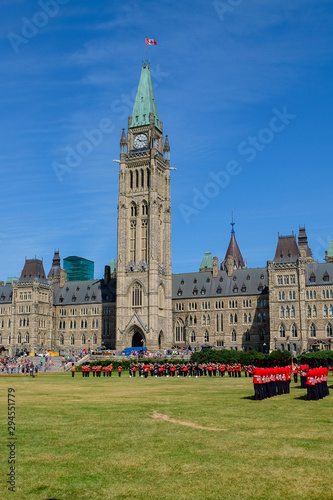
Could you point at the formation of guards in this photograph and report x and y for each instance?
(271, 380)
(274, 379)
(314, 379)
(189, 369)
(97, 370)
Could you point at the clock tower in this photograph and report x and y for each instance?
(144, 307)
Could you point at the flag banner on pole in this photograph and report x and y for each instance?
(150, 41)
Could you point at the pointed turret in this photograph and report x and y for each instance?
(233, 254)
(303, 246)
(54, 274)
(166, 148)
(145, 105)
(123, 142)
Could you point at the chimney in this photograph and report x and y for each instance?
(107, 275)
(63, 277)
(230, 265)
(215, 267)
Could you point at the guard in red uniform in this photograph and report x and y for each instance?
(119, 370)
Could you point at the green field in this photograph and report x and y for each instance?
(98, 439)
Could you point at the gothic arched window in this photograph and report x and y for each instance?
(282, 331)
(312, 330)
(133, 210)
(294, 330)
(179, 331)
(136, 295)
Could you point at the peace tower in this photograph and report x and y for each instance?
(144, 279)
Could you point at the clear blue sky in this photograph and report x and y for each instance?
(223, 74)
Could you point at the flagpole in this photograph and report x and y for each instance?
(146, 48)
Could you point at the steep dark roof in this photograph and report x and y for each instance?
(234, 252)
(33, 268)
(6, 294)
(287, 249)
(318, 271)
(84, 292)
(245, 281)
(56, 267)
(303, 241)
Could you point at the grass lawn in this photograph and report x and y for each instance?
(97, 438)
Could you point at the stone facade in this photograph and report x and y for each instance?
(287, 304)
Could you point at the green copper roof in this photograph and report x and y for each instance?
(145, 100)
(330, 249)
(113, 265)
(207, 261)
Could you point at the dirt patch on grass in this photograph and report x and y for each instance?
(166, 418)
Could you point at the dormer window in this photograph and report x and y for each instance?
(86, 298)
(180, 292)
(326, 277)
(203, 291)
(182, 282)
(243, 289)
(67, 289)
(195, 291)
(219, 290)
(235, 289)
(73, 298)
(312, 278)
(93, 297)
(248, 277)
(221, 279)
(260, 287)
(77, 288)
(234, 278)
(208, 280)
(195, 280)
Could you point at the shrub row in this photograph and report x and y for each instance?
(232, 356)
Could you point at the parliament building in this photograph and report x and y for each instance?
(287, 305)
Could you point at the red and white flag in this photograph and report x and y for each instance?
(150, 41)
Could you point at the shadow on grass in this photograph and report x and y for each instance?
(303, 398)
(249, 397)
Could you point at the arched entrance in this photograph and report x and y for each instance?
(138, 339)
(161, 340)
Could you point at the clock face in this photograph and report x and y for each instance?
(140, 141)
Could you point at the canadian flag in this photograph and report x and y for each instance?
(150, 41)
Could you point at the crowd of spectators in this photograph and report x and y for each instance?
(25, 365)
